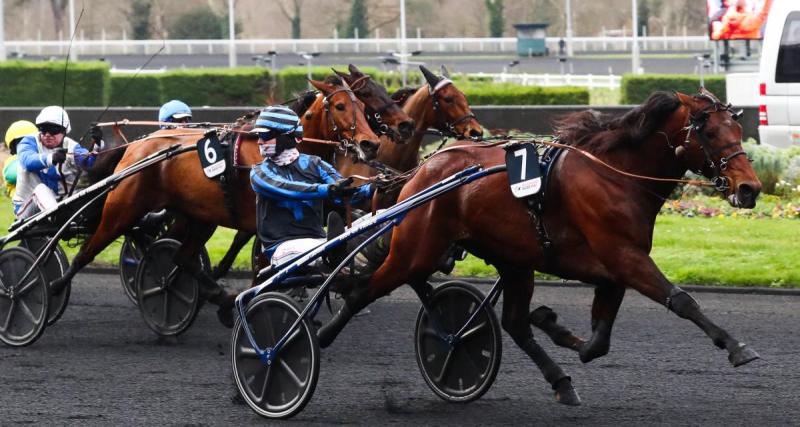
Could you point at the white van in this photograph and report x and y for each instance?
(779, 88)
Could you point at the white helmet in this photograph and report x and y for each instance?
(55, 115)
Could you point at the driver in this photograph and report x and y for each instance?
(291, 188)
(46, 158)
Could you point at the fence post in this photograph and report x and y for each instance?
(335, 40)
(419, 38)
(685, 41)
(355, 35)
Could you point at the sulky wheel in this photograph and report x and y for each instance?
(458, 370)
(282, 387)
(23, 303)
(130, 255)
(168, 297)
(53, 268)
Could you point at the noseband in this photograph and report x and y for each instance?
(450, 127)
(696, 124)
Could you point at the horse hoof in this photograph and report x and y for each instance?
(566, 394)
(225, 316)
(741, 355)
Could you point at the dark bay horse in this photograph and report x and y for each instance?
(180, 186)
(600, 222)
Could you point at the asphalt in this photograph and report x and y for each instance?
(100, 365)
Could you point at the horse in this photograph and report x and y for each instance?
(438, 104)
(600, 221)
(180, 186)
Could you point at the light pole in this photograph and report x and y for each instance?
(308, 57)
(231, 37)
(2, 34)
(73, 53)
(569, 27)
(403, 54)
(635, 45)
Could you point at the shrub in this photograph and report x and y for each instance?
(769, 164)
(29, 84)
(294, 80)
(636, 88)
(510, 94)
(217, 86)
(143, 90)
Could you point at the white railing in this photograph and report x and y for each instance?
(583, 80)
(333, 45)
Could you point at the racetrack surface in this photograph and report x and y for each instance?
(100, 365)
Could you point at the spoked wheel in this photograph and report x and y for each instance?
(168, 297)
(53, 268)
(459, 370)
(23, 304)
(130, 255)
(282, 387)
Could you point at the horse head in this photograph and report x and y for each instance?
(713, 147)
(450, 107)
(342, 118)
(383, 113)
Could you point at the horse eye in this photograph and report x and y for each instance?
(340, 107)
(448, 99)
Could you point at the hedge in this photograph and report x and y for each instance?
(132, 90)
(636, 88)
(217, 86)
(34, 84)
(293, 80)
(510, 94)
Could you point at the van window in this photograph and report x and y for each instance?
(788, 69)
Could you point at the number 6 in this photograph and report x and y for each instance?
(209, 152)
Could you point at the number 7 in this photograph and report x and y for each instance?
(524, 154)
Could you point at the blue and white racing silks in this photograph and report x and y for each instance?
(290, 198)
(36, 166)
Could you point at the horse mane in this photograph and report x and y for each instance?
(403, 94)
(601, 133)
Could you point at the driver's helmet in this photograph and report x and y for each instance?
(279, 123)
(175, 112)
(16, 131)
(53, 115)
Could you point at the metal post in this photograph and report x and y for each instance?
(569, 28)
(231, 37)
(2, 34)
(635, 44)
(403, 65)
(73, 53)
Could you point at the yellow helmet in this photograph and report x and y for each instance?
(19, 129)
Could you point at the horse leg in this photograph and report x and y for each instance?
(517, 293)
(116, 219)
(641, 273)
(607, 299)
(406, 263)
(187, 258)
(239, 240)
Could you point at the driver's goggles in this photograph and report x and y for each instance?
(51, 129)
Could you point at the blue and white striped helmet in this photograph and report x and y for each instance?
(174, 110)
(276, 120)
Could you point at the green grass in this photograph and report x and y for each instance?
(714, 251)
(697, 250)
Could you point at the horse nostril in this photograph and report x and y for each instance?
(368, 145)
(406, 127)
(475, 133)
(747, 194)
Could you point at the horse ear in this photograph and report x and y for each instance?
(431, 78)
(323, 87)
(444, 71)
(354, 71)
(344, 76)
(685, 99)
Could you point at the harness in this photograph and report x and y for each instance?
(696, 124)
(374, 115)
(345, 143)
(449, 127)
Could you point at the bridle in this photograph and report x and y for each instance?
(449, 127)
(697, 123)
(374, 116)
(346, 144)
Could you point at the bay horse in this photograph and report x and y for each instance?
(180, 186)
(600, 222)
(437, 104)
